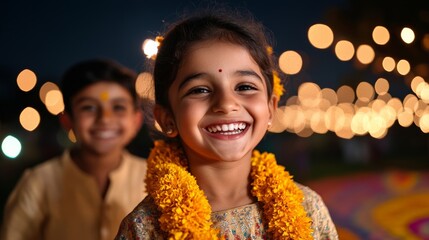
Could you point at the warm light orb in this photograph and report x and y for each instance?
(365, 91)
(11, 146)
(290, 62)
(29, 118)
(424, 123)
(381, 86)
(344, 50)
(47, 87)
(380, 35)
(26, 80)
(150, 48)
(54, 102)
(407, 35)
(389, 64)
(415, 82)
(145, 86)
(330, 96)
(309, 94)
(365, 54)
(320, 36)
(403, 67)
(345, 94)
(405, 117)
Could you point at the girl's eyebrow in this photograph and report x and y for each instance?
(189, 78)
(237, 73)
(248, 73)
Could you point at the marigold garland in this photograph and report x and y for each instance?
(186, 212)
(278, 88)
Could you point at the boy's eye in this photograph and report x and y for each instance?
(119, 108)
(88, 108)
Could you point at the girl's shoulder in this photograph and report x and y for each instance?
(142, 222)
(316, 209)
(312, 202)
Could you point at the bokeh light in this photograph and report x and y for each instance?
(407, 35)
(150, 48)
(403, 67)
(344, 50)
(290, 62)
(29, 118)
(365, 54)
(54, 102)
(380, 35)
(320, 36)
(145, 86)
(389, 64)
(26, 80)
(11, 146)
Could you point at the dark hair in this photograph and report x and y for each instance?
(88, 72)
(210, 25)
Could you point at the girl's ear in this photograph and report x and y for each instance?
(165, 120)
(66, 121)
(272, 107)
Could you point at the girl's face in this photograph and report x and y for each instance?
(219, 102)
(104, 118)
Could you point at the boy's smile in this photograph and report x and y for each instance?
(104, 117)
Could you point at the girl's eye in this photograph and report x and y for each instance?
(198, 90)
(246, 87)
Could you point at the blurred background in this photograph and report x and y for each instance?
(353, 123)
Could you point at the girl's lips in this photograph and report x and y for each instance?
(227, 128)
(228, 131)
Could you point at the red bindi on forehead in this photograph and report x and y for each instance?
(220, 70)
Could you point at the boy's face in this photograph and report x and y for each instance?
(104, 118)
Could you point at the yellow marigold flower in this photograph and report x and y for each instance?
(186, 212)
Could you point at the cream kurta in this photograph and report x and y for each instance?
(56, 200)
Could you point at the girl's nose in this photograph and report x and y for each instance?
(225, 102)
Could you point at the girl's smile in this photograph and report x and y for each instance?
(219, 101)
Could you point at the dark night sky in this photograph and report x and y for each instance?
(48, 36)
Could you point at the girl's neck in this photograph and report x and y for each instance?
(226, 185)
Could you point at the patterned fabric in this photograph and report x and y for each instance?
(57, 200)
(243, 222)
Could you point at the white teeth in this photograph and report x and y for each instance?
(228, 129)
(105, 134)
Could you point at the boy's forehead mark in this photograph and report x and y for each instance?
(104, 96)
(220, 70)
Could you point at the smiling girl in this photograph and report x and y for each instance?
(215, 100)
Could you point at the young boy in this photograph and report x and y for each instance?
(88, 190)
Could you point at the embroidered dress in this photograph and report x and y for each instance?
(177, 209)
(244, 222)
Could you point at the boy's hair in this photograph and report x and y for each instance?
(88, 72)
(210, 25)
